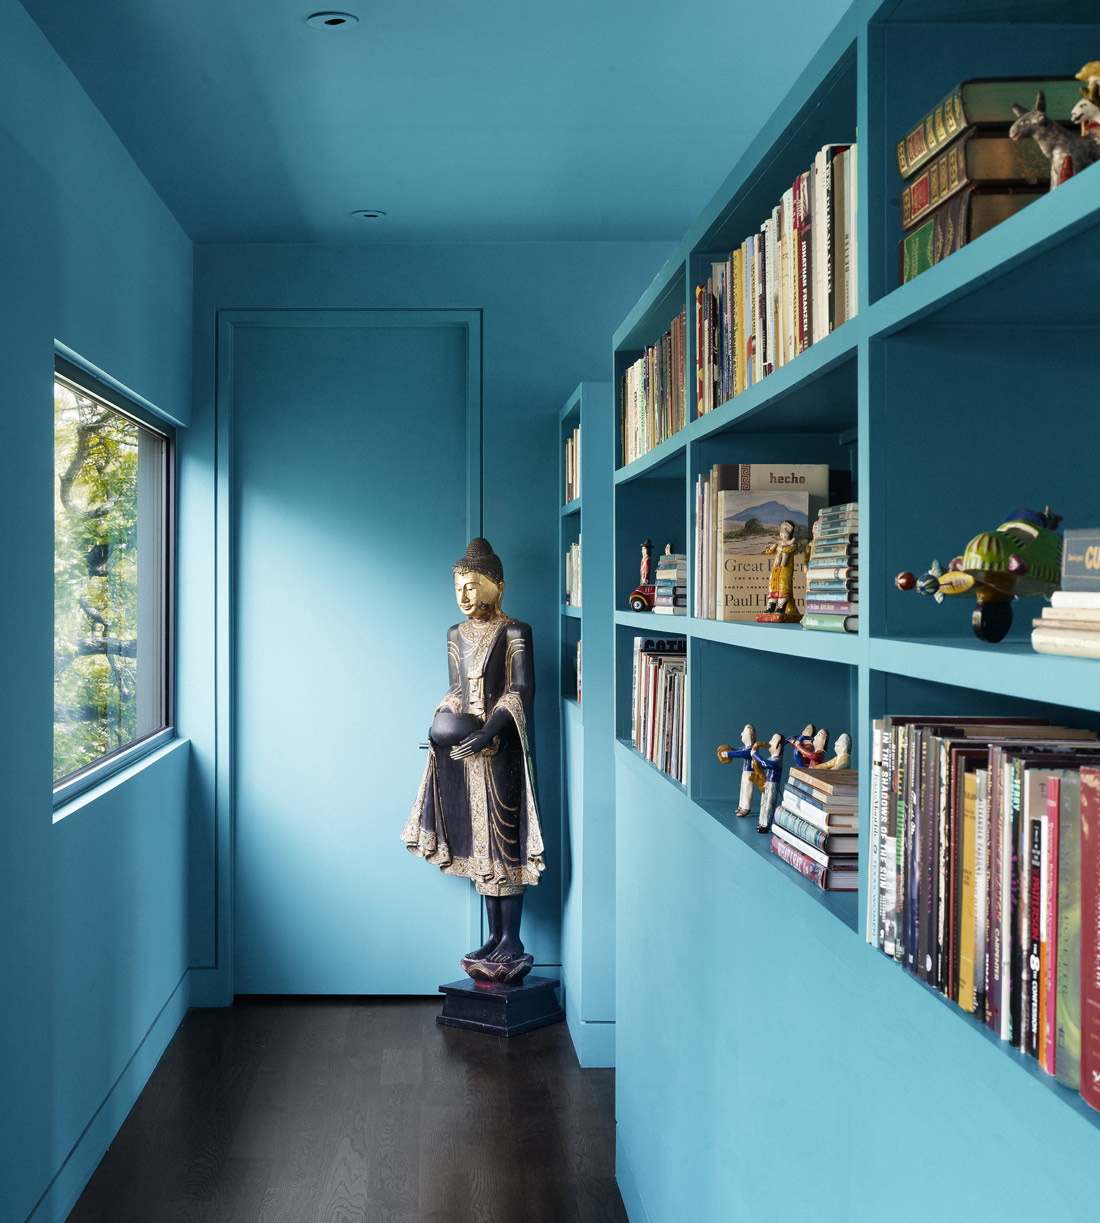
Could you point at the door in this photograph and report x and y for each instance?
(352, 486)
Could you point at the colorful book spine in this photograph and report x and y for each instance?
(1090, 936)
(827, 878)
(1081, 559)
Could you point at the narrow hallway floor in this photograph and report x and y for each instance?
(360, 1110)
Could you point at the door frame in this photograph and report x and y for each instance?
(219, 975)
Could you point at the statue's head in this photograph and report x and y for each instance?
(844, 745)
(748, 735)
(479, 581)
(821, 739)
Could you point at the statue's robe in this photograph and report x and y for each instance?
(478, 817)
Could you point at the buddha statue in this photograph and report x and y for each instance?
(476, 813)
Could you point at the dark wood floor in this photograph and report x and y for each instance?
(288, 1110)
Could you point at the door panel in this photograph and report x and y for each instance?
(351, 506)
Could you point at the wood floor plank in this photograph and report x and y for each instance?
(360, 1110)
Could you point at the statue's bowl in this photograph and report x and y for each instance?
(449, 729)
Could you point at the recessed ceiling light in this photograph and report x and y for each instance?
(369, 214)
(333, 21)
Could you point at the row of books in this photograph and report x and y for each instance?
(738, 511)
(658, 702)
(670, 587)
(1071, 624)
(652, 399)
(816, 829)
(572, 466)
(785, 287)
(573, 575)
(984, 876)
(963, 175)
(832, 572)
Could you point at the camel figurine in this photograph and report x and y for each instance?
(1087, 112)
(1067, 152)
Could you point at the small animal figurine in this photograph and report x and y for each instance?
(1067, 152)
(1022, 557)
(752, 776)
(771, 762)
(843, 754)
(1087, 112)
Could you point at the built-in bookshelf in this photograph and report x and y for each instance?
(941, 405)
(585, 432)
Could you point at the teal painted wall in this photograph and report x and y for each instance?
(93, 908)
(547, 313)
(772, 1065)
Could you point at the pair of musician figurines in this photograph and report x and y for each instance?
(762, 764)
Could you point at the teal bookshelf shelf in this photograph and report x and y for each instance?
(948, 402)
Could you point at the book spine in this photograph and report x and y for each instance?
(805, 865)
(1067, 1018)
(1090, 936)
(1079, 644)
(830, 623)
(922, 142)
(802, 828)
(1081, 559)
(830, 606)
(945, 177)
(1034, 923)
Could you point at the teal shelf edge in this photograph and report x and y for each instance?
(848, 649)
(571, 507)
(1026, 1063)
(1010, 669)
(574, 613)
(669, 451)
(827, 354)
(653, 625)
(629, 752)
(572, 708)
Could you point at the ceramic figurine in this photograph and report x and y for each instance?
(752, 777)
(476, 814)
(780, 605)
(1021, 558)
(1067, 152)
(843, 754)
(643, 595)
(771, 761)
(810, 753)
(1087, 112)
(1090, 74)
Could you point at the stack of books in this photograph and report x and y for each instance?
(832, 575)
(652, 398)
(657, 708)
(984, 860)
(670, 594)
(572, 466)
(573, 575)
(816, 830)
(738, 509)
(785, 287)
(1071, 624)
(963, 175)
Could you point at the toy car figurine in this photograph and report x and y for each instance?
(641, 597)
(1022, 557)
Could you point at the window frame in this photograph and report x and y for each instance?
(94, 384)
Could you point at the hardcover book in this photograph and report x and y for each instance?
(978, 158)
(1081, 558)
(951, 226)
(1090, 936)
(748, 523)
(981, 103)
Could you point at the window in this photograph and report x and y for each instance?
(112, 496)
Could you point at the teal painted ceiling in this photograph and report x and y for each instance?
(464, 120)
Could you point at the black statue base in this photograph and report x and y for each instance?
(500, 1010)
